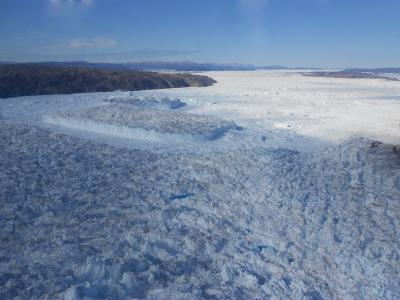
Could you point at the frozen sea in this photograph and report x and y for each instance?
(267, 185)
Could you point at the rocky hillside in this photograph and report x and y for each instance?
(32, 79)
(348, 74)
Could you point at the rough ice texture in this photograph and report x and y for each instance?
(267, 212)
(147, 101)
(116, 119)
(82, 220)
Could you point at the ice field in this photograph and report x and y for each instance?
(267, 185)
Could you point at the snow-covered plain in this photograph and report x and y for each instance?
(266, 185)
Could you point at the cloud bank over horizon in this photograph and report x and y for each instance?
(97, 43)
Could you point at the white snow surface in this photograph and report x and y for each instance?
(126, 199)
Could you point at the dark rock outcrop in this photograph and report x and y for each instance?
(346, 74)
(32, 79)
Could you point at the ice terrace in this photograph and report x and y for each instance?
(148, 124)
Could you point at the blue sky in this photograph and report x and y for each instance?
(316, 33)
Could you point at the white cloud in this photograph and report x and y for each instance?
(97, 43)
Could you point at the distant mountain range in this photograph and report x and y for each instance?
(179, 66)
(189, 66)
(82, 64)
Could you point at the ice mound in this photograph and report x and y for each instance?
(147, 101)
(129, 122)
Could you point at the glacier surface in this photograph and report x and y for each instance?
(290, 207)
